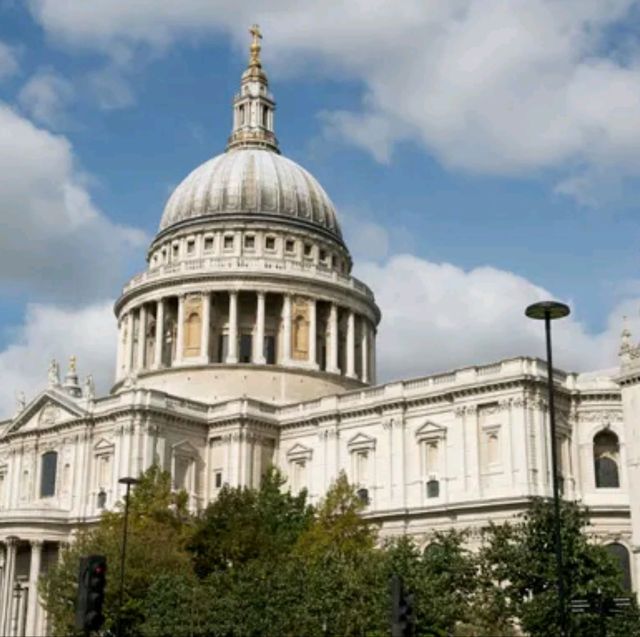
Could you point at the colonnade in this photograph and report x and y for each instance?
(251, 327)
(20, 610)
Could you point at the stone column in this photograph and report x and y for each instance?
(142, 336)
(128, 362)
(180, 331)
(205, 330)
(373, 373)
(119, 351)
(7, 591)
(258, 343)
(351, 344)
(334, 338)
(286, 335)
(232, 354)
(34, 574)
(365, 350)
(157, 355)
(313, 329)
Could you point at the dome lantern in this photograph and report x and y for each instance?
(253, 107)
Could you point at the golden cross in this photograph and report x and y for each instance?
(255, 45)
(72, 364)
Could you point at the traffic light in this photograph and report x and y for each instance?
(402, 613)
(91, 583)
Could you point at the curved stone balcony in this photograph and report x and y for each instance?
(222, 266)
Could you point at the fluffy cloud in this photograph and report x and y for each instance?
(111, 88)
(486, 85)
(45, 98)
(8, 61)
(55, 242)
(50, 332)
(436, 316)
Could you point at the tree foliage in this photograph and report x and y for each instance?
(263, 562)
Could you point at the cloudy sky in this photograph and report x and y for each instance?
(482, 154)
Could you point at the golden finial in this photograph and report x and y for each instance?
(72, 365)
(254, 59)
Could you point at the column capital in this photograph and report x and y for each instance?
(12, 540)
(36, 544)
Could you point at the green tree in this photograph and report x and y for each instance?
(520, 560)
(244, 524)
(159, 527)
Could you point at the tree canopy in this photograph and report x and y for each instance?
(264, 562)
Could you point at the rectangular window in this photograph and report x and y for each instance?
(290, 245)
(270, 243)
(48, 474)
(208, 244)
(249, 242)
(181, 475)
(191, 246)
(175, 250)
(323, 255)
(307, 249)
(361, 467)
(228, 242)
(245, 348)
(270, 350)
(433, 488)
(217, 478)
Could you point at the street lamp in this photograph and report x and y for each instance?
(549, 311)
(128, 482)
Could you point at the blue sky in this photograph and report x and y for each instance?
(480, 156)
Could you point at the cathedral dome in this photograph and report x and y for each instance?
(250, 181)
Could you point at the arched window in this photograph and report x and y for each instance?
(620, 556)
(606, 452)
(192, 333)
(48, 474)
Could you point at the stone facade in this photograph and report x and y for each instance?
(247, 343)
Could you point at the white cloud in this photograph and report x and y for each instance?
(54, 241)
(8, 61)
(436, 316)
(45, 97)
(111, 88)
(486, 85)
(89, 333)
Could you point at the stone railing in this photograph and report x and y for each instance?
(257, 265)
(436, 384)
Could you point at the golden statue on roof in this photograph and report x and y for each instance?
(254, 59)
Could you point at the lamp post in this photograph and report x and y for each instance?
(128, 482)
(549, 311)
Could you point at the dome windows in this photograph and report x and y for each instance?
(250, 241)
(270, 243)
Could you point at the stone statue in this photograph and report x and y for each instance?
(21, 402)
(89, 388)
(54, 373)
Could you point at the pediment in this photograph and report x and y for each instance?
(103, 445)
(361, 441)
(430, 429)
(46, 410)
(299, 451)
(184, 448)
